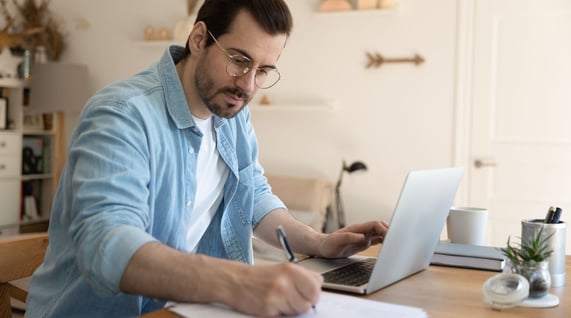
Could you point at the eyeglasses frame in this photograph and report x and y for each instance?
(247, 69)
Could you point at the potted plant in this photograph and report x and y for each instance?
(30, 25)
(530, 259)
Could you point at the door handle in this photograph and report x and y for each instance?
(481, 163)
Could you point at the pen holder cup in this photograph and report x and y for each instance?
(556, 242)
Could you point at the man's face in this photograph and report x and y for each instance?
(225, 95)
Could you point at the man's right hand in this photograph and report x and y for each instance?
(275, 290)
(161, 272)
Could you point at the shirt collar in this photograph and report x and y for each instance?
(174, 93)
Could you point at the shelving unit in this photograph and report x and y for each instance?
(10, 157)
(155, 43)
(41, 183)
(27, 185)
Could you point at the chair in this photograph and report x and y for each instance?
(19, 257)
(308, 199)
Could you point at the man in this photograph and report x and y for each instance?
(162, 190)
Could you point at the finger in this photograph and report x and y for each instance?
(307, 289)
(381, 228)
(374, 227)
(377, 240)
(296, 305)
(355, 238)
(308, 285)
(385, 227)
(381, 237)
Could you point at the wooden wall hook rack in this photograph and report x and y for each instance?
(376, 60)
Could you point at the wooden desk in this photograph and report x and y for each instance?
(445, 292)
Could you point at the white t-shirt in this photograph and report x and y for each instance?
(211, 175)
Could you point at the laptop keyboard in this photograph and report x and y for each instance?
(354, 274)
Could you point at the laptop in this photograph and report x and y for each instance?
(412, 237)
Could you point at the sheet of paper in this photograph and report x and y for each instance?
(330, 305)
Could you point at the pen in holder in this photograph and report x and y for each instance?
(556, 242)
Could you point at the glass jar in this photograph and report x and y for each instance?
(25, 67)
(538, 276)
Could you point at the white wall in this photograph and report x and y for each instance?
(395, 118)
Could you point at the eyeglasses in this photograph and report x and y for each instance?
(240, 65)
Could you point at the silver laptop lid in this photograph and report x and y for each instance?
(416, 224)
(413, 234)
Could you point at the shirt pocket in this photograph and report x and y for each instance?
(244, 198)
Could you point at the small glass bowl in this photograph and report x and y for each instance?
(505, 290)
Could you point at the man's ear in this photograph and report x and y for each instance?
(198, 37)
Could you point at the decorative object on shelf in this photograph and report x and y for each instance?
(33, 122)
(387, 4)
(149, 33)
(265, 100)
(8, 63)
(25, 67)
(30, 208)
(9, 38)
(40, 55)
(355, 166)
(164, 34)
(182, 28)
(355, 5)
(376, 60)
(32, 155)
(529, 259)
(34, 27)
(365, 4)
(335, 5)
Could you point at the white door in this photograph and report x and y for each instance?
(521, 113)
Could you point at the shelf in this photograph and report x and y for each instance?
(29, 177)
(324, 107)
(34, 225)
(41, 219)
(370, 12)
(38, 132)
(10, 131)
(155, 43)
(12, 83)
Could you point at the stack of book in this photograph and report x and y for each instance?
(468, 256)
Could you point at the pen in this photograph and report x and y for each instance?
(550, 215)
(557, 215)
(285, 246)
(287, 250)
(553, 215)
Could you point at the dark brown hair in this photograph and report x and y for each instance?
(273, 16)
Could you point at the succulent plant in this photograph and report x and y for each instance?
(535, 249)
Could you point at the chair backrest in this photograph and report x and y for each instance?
(304, 194)
(19, 257)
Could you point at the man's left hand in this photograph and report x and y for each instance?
(353, 239)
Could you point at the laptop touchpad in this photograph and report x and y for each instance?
(322, 265)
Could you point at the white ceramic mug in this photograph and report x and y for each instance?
(467, 225)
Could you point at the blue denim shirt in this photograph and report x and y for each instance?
(130, 179)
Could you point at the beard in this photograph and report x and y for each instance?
(207, 93)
